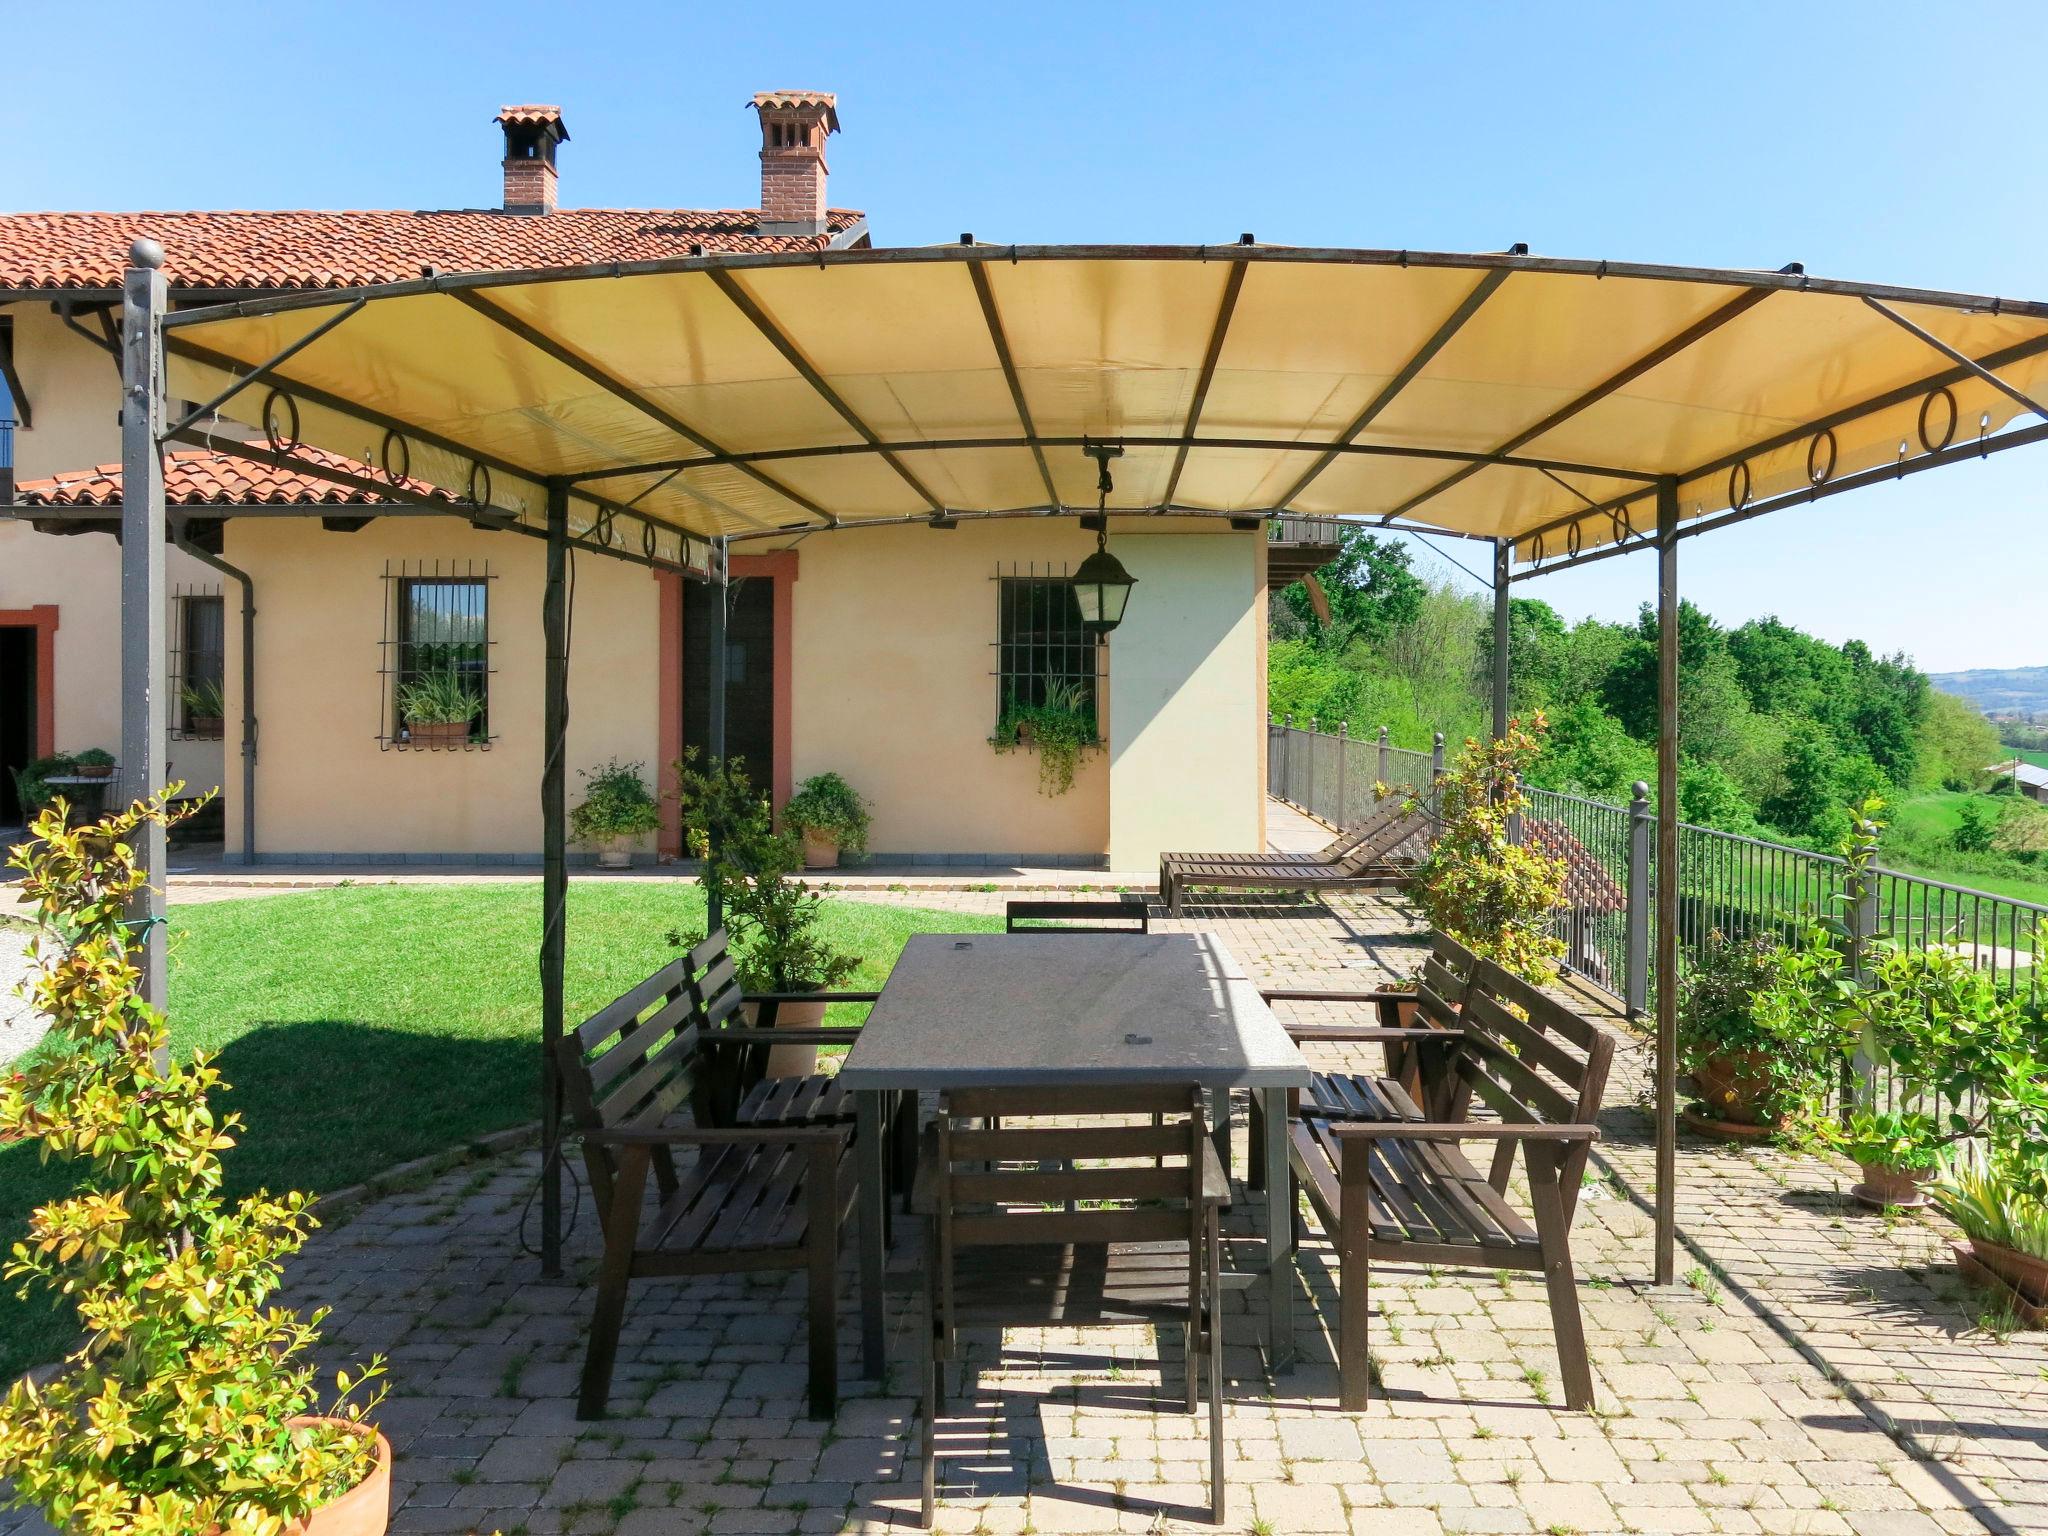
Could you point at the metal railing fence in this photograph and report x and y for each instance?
(1729, 884)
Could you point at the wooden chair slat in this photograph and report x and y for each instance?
(1007, 1186)
(1130, 1098)
(1032, 1227)
(626, 1009)
(1536, 1049)
(1029, 1143)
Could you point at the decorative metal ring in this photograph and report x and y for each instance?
(1624, 524)
(647, 540)
(1574, 537)
(603, 527)
(1739, 476)
(479, 483)
(403, 469)
(1542, 540)
(1819, 472)
(1950, 435)
(280, 442)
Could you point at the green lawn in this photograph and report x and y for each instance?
(360, 1027)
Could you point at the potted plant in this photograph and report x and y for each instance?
(617, 808)
(1757, 1031)
(1993, 1194)
(1493, 895)
(94, 763)
(32, 784)
(831, 817)
(206, 708)
(1060, 730)
(190, 1405)
(1899, 1152)
(772, 917)
(439, 708)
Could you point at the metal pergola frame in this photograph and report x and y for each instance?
(149, 330)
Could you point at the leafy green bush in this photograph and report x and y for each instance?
(177, 1413)
(1492, 895)
(442, 697)
(1775, 1002)
(825, 804)
(1060, 730)
(616, 803)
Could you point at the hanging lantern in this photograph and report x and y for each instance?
(1102, 586)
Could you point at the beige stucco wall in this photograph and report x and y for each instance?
(324, 785)
(1185, 706)
(894, 688)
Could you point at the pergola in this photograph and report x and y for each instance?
(1559, 411)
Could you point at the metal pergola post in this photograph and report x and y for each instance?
(1503, 550)
(721, 596)
(554, 898)
(144, 666)
(1667, 881)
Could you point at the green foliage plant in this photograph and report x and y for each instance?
(616, 804)
(440, 697)
(1988, 1193)
(1060, 729)
(1492, 895)
(33, 780)
(774, 918)
(178, 1413)
(825, 804)
(1775, 1003)
(204, 700)
(94, 757)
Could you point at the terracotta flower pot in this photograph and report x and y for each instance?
(821, 850)
(205, 725)
(365, 1510)
(1886, 1188)
(792, 1060)
(1733, 1086)
(2027, 1275)
(97, 770)
(438, 733)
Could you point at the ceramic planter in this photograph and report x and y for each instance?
(365, 1510)
(792, 1060)
(438, 733)
(821, 850)
(1732, 1087)
(615, 853)
(1886, 1188)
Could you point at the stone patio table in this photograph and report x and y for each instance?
(1046, 1010)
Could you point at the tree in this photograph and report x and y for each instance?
(1976, 827)
(1371, 588)
(1590, 754)
(1811, 762)
(1957, 744)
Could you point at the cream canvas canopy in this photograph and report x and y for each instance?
(1562, 411)
(1499, 397)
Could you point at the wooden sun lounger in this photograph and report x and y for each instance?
(1370, 863)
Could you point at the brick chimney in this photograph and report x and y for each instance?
(531, 134)
(793, 129)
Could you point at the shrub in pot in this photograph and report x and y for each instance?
(771, 916)
(1491, 894)
(1993, 1194)
(94, 763)
(439, 708)
(206, 708)
(1758, 1029)
(617, 808)
(831, 818)
(190, 1406)
(1899, 1152)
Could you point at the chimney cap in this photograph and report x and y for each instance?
(533, 115)
(800, 100)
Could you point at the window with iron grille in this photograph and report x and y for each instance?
(437, 656)
(198, 664)
(1043, 655)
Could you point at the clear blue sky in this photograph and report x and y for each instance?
(1883, 141)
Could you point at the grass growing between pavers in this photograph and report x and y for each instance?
(365, 1026)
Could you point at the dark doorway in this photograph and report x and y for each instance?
(749, 676)
(17, 714)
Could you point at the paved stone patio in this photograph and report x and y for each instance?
(1821, 1370)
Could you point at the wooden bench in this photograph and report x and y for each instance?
(1127, 914)
(763, 1194)
(1386, 1175)
(1374, 860)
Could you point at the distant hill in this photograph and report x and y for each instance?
(1999, 690)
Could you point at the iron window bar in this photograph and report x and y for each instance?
(450, 600)
(1040, 641)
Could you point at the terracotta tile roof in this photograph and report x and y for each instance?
(319, 249)
(202, 478)
(529, 116)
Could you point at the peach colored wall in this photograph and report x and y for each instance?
(324, 785)
(895, 689)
